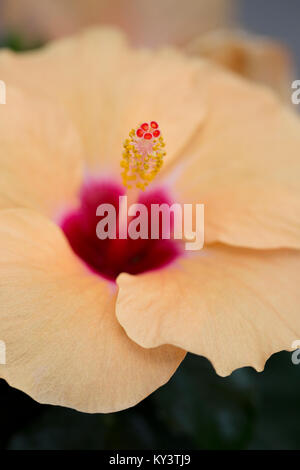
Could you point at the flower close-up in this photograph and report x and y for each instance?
(98, 325)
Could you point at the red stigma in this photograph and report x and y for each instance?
(140, 132)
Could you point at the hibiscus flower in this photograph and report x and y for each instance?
(98, 325)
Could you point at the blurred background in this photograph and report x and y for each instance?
(196, 409)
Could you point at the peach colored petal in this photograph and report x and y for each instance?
(64, 345)
(40, 154)
(244, 166)
(109, 89)
(255, 57)
(236, 307)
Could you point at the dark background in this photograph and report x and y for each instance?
(279, 19)
(196, 409)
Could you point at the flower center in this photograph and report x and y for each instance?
(110, 257)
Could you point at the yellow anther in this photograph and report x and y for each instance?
(142, 156)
